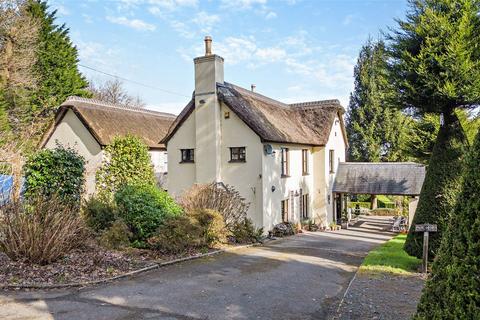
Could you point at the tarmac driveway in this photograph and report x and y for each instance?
(300, 277)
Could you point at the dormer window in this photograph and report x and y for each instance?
(188, 155)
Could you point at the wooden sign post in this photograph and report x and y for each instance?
(425, 228)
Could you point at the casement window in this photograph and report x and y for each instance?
(285, 168)
(305, 206)
(305, 161)
(238, 154)
(285, 210)
(188, 155)
(331, 160)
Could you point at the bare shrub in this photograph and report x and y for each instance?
(39, 231)
(222, 198)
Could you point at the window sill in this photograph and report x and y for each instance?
(285, 176)
(190, 161)
(237, 161)
(305, 174)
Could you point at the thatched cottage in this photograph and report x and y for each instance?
(89, 125)
(282, 158)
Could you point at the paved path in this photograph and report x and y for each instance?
(301, 277)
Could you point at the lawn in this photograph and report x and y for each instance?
(390, 257)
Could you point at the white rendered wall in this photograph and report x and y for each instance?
(272, 170)
(160, 166)
(71, 132)
(181, 175)
(336, 141)
(245, 177)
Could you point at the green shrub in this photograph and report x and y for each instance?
(126, 162)
(99, 214)
(212, 225)
(144, 208)
(385, 212)
(116, 236)
(59, 171)
(441, 186)
(353, 204)
(245, 232)
(177, 234)
(452, 290)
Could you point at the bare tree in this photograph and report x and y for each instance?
(112, 91)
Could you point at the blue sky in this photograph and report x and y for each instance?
(293, 50)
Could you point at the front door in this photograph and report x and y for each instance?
(338, 208)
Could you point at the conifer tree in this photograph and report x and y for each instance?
(452, 291)
(375, 130)
(435, 68)
(440, 189)
(57, 63)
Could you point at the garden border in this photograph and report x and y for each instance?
(156, 265)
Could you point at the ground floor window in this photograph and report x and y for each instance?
(305, 206)
(285, 210)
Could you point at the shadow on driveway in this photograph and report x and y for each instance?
(300, 277)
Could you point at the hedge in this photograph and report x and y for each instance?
(452, 291)
(441, 186)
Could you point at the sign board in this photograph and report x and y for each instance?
(426, 227)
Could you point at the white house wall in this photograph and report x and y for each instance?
(277, 188)
(246, 177)
(181, 175)
(71, 132)
(159, 160)
(336, 141)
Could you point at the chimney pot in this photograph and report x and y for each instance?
(253, 87)
(208, 46)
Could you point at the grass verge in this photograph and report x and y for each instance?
(391, 258)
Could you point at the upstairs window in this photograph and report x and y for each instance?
(238, 154)
(305, 161)
(331, 161)
(285, 169)
(188, 155)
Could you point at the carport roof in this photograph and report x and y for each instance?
(392, 178)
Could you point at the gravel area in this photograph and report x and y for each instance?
(381, 296)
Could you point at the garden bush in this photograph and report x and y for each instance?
(452, 290)
(59, 171)
(144, 207)
(40, 230)
(245, 232)
(441, 186)
(99, 214)
(126, 162)
(117, 236)
(221, 198)
(176, 235)
(212, 225)
(283, 229)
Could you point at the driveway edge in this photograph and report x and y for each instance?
(130, 273)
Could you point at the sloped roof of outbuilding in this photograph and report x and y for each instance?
(307, 123)
(106, 121)
(389, 178)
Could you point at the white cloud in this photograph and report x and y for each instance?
(132, 23)
(270, 15)
(271, 54)
(348, 19)
(171, 5)
(242, 4)
(205, 21)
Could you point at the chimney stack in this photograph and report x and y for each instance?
(253, 87)
(208, 46)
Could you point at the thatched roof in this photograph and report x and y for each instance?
(391, 178)
(307, 123)
(106, 121)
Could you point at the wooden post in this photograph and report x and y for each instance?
(425, 252)
(426, 229)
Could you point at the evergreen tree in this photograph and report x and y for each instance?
(435, 68)
(56, 63)
(375, 130)
(441, 186)
(452, 291)
(423, 136)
